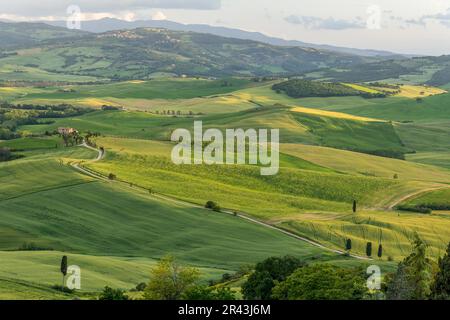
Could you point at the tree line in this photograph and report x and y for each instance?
(297, 88)
(13, 116)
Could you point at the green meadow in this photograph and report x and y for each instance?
(32, 275)
(112, 232)
(333, 151)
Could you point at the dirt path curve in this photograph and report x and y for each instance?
(414, 195)
(96, 175)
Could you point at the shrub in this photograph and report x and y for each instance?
(141, 286)
(112, 176)
(5, 154)
(112, 294)
(213, 206)
(417, 208)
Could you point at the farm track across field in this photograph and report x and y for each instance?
(413, 195)
(96, 175)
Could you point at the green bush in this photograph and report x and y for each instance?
(112, 294)
(417, 208)
(213, 206)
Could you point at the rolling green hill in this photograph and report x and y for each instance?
(115, 216)
(27, 34)
(305, 200)
(417, 70)
(31, 275)
(139, 53)
(374, 137)
(109, 227)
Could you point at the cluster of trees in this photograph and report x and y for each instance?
(425, 208)
(111, 108)
(394, 154)
(72, 139)
(13, 116)
(297, 88)
(288, 278)
(384, 85)
(5, 154)
(48, 111)
(173, 113)
(417, 208)
(88, 138)
(169, 280)
(369, 248)
(415, 279)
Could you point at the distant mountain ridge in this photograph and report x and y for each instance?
(139, 53)
(110, 24)
(26, 33)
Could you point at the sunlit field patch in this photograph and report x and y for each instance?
(333, 114)
(409, 91)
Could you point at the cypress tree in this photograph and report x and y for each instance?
(63, 269)
(354, 206)
(369, 249)
(348, 245)
(380, 251)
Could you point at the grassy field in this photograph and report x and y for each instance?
(315, 183)
(113, 232)
(120, 226)
(31, 275)
(152, 89)
(298, 187)
(158, 95)
(434, 198)
(295, 127)
(330, 114)
(367, 165)
(298, 199)
(391, 229)
(409, 91)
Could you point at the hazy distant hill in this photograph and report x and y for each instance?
(131, 54)
(20, 34)
(109, 24)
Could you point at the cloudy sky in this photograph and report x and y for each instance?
(407, 26)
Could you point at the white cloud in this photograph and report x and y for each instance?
(159, 16)
(330, 23)
(33, 8)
